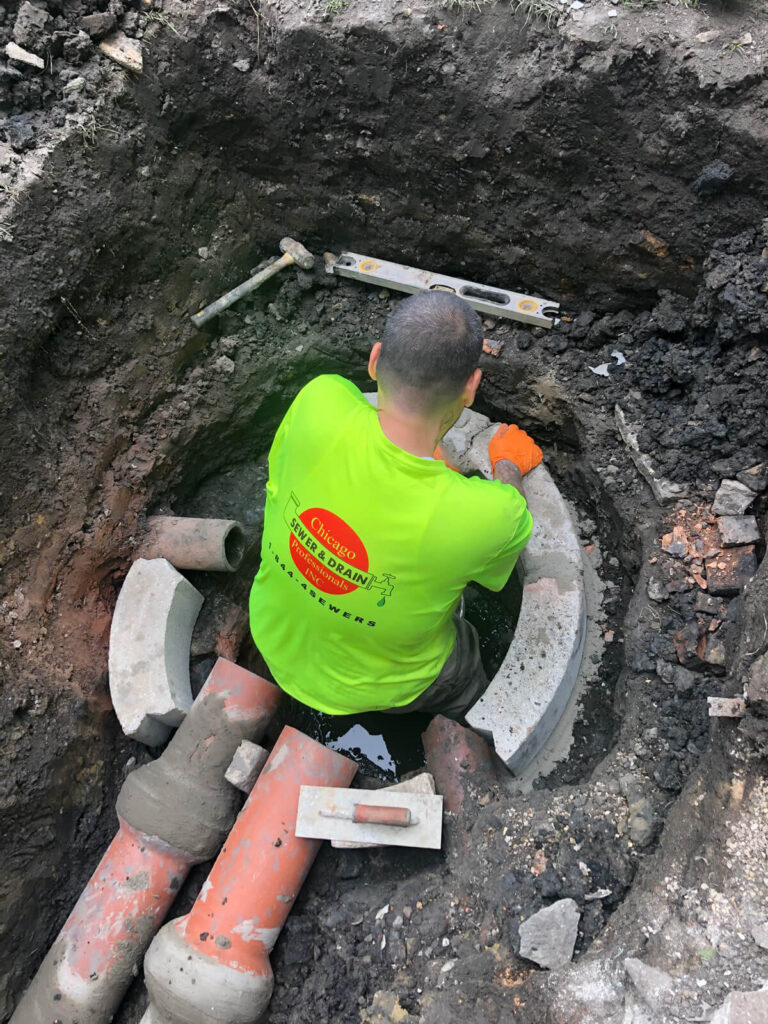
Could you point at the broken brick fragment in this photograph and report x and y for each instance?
(730, 571)
(711, 650)
(686, 643)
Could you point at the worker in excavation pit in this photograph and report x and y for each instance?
(369, 539)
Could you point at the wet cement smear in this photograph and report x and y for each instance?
(386, 747)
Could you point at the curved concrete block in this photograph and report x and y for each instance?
(149, 650)
(528, 694)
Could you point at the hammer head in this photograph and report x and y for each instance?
(300, 256)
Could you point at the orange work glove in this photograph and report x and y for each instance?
(440, 454)
(510, 442)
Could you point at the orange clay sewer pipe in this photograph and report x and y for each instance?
(212, 966)
(173, 813)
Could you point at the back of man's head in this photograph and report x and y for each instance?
(431, 345)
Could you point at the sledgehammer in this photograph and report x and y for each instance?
(294, 252)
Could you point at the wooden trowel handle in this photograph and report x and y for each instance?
(375, 814)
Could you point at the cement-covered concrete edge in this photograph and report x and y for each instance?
(528, 694)
(149, 646)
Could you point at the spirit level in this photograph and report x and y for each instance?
(486, 300)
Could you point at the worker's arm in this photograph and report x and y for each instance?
(513, 453)
(506, 471)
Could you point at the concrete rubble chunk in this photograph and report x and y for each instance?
(549, 936)
(653, 986)
(711, 650)
(31, 26)
(736, 530)
(123, 51)
(743, 1008)
(15, 53)
(423, 783)
(246, 765)
(98, 25)
(149, 648)
(755, 478)
(664, 491)
(730, 571)
(733, 498)
(527, 696)
(726, 707)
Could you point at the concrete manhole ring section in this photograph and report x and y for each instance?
(528, 695)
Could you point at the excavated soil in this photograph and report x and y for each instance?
(613, 161)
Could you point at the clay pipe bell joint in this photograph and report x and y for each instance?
(293, 252)
(210, 545)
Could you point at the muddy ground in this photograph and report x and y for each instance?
(614, 162)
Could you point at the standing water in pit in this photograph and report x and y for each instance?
(387, 747)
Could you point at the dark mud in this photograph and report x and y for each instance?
(562, 161)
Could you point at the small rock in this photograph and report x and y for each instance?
(730, 571)
(123, 51)
(203, 252)
(98, 25)
(757, 686)
(19, 133)
(760, 934)
(242, 65)
(14, 52)
(712, 651)
(31, 26)
(78, 48)
(642, 821)
(448, 69)
(74, 86)
(733, 498)
(743, 1008)
(708, 37)
(707, 603)
(674, 543)
(681, 678)
(686, 642)
(713, 179)
(735, 530)
(756, 478)
(246, 765)
(549, 936)
(657, 591)
(653, 986)
(224, 365)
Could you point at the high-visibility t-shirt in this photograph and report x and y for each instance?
(366, 551)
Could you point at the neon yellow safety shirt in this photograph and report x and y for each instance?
(366, 551)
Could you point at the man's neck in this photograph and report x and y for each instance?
(417, 434)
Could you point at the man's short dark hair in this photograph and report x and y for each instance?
(431, 344)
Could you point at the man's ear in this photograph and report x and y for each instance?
(373, 360)
(470, 388)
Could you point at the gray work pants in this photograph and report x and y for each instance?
(462, 679)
